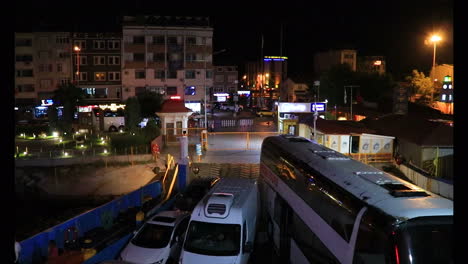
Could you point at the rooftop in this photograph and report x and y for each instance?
(174, 106)
(336, 127)
(420, 131)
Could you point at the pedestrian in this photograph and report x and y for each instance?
(52, 249)
(17, 251)
(212, 127)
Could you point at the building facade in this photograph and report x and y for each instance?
(323, 61)
(295, 91)
(225, 82)
(168, 55)
(97, 66)
(265, 80)
(25, 83)
(371, 64)
(444, 85)
(42, 64)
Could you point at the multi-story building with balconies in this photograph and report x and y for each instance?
(97, 66)
(42, 64)
(25, 82)
(225, 81)
(168, 55)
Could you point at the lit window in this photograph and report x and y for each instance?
(450, 97)
(444, 96)
(100, 76)
(190, 90)
(450, 86)
(445, 86)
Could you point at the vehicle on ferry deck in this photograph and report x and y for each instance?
(159, 240)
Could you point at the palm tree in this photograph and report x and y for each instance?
(69, 96)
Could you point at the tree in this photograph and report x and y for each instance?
(375, 87)
(132, 113)
(151, 131)
(333, 81)
(69, 96)
(420, 84)
(150, 103)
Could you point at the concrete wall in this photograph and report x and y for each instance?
(441, 188)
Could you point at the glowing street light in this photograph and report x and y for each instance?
(434, 39)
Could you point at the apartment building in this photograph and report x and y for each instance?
(168, 55)
(323, 61)
(371, 64)
(42, 64)
(25, 82)
(97, 66)
(225, 82)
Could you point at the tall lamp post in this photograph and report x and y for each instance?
(77, 49)
(204, 85)
(434, 39)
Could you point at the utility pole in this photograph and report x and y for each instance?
(351, 99)
(315, 118)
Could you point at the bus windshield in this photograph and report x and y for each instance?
(213, 239)
(426, 240)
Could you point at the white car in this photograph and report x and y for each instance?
(159, 240)
(233, 108)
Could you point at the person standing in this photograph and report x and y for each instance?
(17, 251)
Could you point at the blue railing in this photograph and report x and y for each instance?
(35, 247)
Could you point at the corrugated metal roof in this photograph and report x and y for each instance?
(336, 127)
(414, 129)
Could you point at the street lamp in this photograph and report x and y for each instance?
(204, 84)
(434, 39)
(77, 49)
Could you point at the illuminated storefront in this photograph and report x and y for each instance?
(288, 115)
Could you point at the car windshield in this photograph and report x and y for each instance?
(427, 240)
(153, 236)
(213, 239)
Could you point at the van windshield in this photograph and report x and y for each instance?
(427, 240)
(213, 239)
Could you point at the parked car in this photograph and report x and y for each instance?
(159, 240)
(265, 112)
(233, 108)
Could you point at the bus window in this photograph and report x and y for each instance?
(372, 245)
(426, 240)
(309, 244)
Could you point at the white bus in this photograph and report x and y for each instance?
(324, 207)
(223, 224)
(109, 118)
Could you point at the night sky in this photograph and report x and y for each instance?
(394, 29)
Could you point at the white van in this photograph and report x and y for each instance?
(223, 224)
